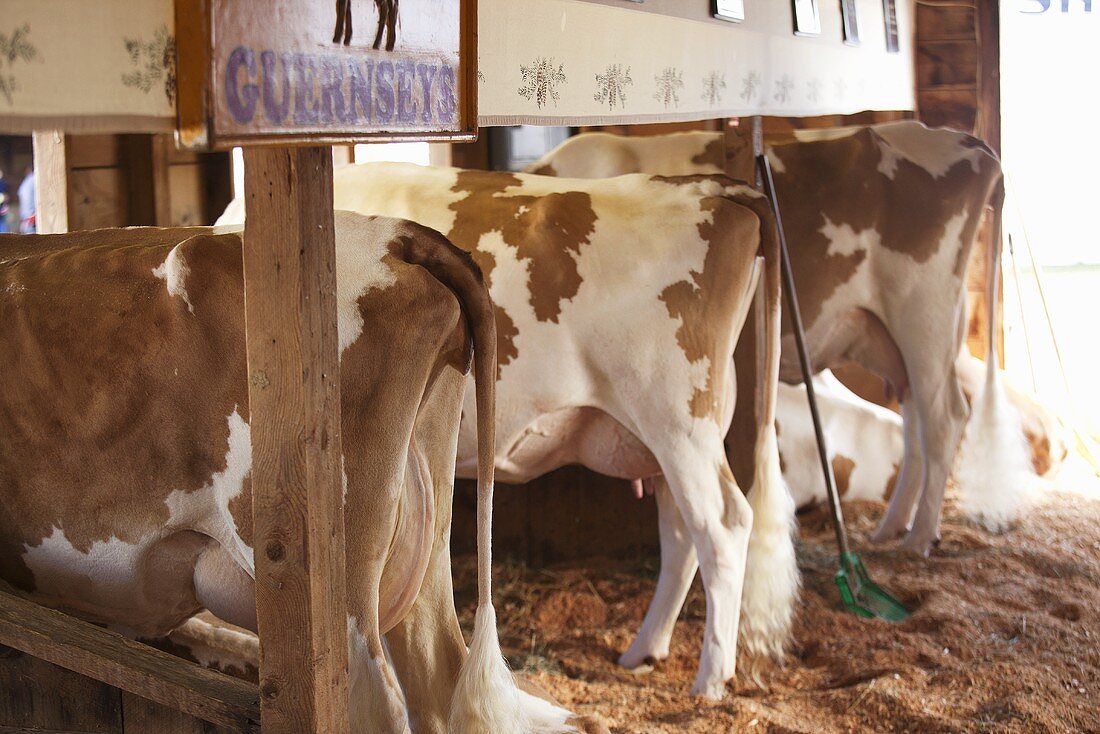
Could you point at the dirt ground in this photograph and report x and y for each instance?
(1003, 635)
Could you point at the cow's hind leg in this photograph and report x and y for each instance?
(943, 415)
(718, 519)
(910, 480)
(427, 648)
(678, 566)
(376, 703)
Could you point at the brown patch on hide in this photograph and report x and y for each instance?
(546, 231)
(892, 482)
(702, 302)
(910, 212)
(713, 154)
(842, 472)
(97, 358)
(547, 169)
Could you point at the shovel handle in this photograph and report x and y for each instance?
(803, 358)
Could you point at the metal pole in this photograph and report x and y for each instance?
(803, 359)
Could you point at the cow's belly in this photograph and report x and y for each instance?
(575, 435)
(144, 589)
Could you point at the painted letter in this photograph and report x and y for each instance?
(305, 102)
(275, 111)
(427, 76)
(332, 89)
(1044, 7)
(446, 105)
(241, 99)
(384, 88)
(359, 88)
(406, 105)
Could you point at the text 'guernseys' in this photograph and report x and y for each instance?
(301, 90)
(306, 71)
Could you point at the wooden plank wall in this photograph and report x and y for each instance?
(958, 86)
(129, 180)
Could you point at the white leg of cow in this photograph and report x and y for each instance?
(678, 566)
(718, 518)
(910, 481)
(942, 422)
(375, 698)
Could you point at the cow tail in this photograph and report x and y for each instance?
(485, 697)
(994, 473)
(771, 572)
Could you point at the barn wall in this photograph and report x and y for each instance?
(958, 86)
(129, 180)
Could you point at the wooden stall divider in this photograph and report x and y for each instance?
(53, 193)
(126, 664)
(294, 405)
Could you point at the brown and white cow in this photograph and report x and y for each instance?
(865, 442)
(126, 453)
(619, 303)
(881, 221)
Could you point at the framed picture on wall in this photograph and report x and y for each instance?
(729, 10)
(807, 18)
(850, 20)
(890, 13)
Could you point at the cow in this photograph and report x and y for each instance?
(618, 305)
(864, 440)
(881, 220)
(126, 454)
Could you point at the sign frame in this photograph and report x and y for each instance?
(731, 10)
(196, 78)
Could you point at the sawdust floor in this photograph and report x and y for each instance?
(1003, 636)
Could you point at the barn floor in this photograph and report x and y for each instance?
(1003, 637)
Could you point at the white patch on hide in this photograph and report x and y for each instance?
(112, 564)
(844, 240)
(776, 163)
(361, 243)
(826, 133)
(888, 164)
(207, 509)
(232, 219)
(935, 151)
(173, 271)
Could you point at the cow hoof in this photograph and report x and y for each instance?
(887, 532)
(920, 545)
(639, 663)
(587, 725)
(714, 691)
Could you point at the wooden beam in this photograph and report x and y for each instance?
(131, 666)
(51, 181)
(161, 147)
(294, 400)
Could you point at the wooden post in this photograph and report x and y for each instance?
(160, 160)
(51, 181)
(294, 403)
(744, 141)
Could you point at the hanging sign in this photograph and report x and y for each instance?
(287, 71)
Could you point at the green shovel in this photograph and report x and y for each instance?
(858, 592)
